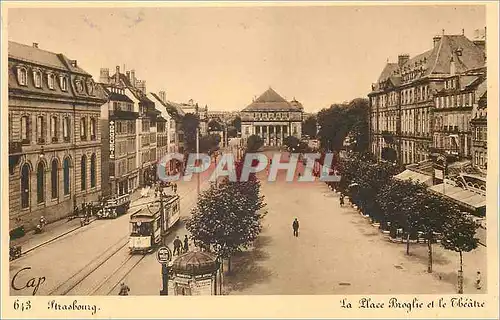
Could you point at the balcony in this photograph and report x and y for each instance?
(41, 140)
(83, 138)
(25, 142)
(93, 137)
(66, 139)
(54, 139)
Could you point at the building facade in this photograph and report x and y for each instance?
(54, 135)
(145, 129)
(272, 118)
(192, 107)
(119, 155)
(402, 102)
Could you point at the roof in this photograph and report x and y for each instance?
(270, 100)
(194, 263)
(136, 92)
(462, 196)
(171, 110)
(114, 96)
(438, 60)
(42, 57)
(177, 107)
(414, 176)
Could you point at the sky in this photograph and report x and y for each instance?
(224, 56)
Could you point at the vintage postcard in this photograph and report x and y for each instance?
(300, 159)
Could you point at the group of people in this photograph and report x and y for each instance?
(180, 246)
(86, 212)
(159, 188)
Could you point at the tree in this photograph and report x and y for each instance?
(309, 127)
(237, 123)
(190, 124)
(227, 217)
(254, 143)
(459, 236)
(209, 143)
(214, 126)
(232, 132)
(340, 120)
(292, 143)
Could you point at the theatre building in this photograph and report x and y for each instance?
(272, 118)
(54, 135)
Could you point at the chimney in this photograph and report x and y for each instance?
(104, 76)
(117, 75)
(73, 63)
(453, 67)
(162, 96)
(128, 75)
(436, 41)
(402, 59)
(35, 45)
(132, 77)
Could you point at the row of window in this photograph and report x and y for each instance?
(123, 106)
(122, 167)
(54, 134)
(480, 159)
(22, 78)
(458, 100)
(125, 126)
(481, 134)
(54, 179)
(145, 125)
(450, 122)
(124, 147)
(416, 94)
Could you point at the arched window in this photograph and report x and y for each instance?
(22, 76)
(40, 182)
(83, 172)
(37, 79)
(93, 168)
(25, 186)
(66, 176)
(66, 129)
(54, 128)
(54, 177)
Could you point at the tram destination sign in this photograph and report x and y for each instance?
(163, 255)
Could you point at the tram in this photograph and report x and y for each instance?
(114, 207)
(148, 226)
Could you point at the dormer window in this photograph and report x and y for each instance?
(22, 76)
(63, 83)
(50, 81)
(37, 78)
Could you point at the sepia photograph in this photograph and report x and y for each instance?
(253, 150)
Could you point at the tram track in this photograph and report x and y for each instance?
(104, 273)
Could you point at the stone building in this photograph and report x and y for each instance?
(118, 123)
(272, 118)
(402, 102)
(54, 135)
(145, 129)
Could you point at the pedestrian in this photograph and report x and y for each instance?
(175, 187)
(478, 281)
(186, 243)
(124, 290)
(295, 227)
(341, 200)
(177, 245)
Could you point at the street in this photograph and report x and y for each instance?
(93, 259)
(338, 252)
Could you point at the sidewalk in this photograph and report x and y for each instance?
(55, 230)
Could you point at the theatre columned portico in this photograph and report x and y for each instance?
(272, 118)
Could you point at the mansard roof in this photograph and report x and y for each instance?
(270, 100)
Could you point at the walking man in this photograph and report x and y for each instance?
(177, 245)
(342, 200)
(186, 243)
(124, 290)
(295, 226)
(478, 281)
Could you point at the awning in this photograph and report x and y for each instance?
(464, 197)
(415, 176)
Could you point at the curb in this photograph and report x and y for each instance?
(55, 238)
